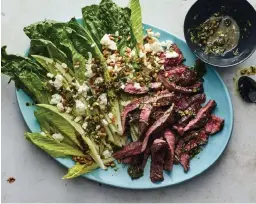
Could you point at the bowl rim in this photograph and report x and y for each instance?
(203, 59)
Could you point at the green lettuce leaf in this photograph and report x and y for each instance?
(57, 33)
(61, 121)
(28, 75)
(80, 169)
(51, 146)
(136, 20)
(108, 18)
(48, 49)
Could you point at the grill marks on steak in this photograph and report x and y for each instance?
(158, 151)
(200, 138)
(163, 99)
(214, 125)
(171, 86)
(131, 89)
(169, 157)
(144, 118)
(167, 118)
(201, 117)
(184, 161)
(130, 149)
(190, 112)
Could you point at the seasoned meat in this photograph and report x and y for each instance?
(189, 113)
(201, 117)
(169, 157)
(158, 151)
(162, 99)
(171, 86)
(171, 62)
(184, 161)
(132, 89)
(214, 124)
(184, 102)
(130, 149)
(167, 118)
(144, 118)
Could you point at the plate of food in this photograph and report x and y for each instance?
(120, 102)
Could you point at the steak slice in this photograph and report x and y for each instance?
(214, 125)
(130, 149)
(145, 157)
(173, 72)
(133, 105)
(189, 114)
(184, 161)
(169, 157)
(133, 160)
(183, 102)
(179, 129)
(132, 89)
(144, 118)
(171, 62)
(158, 151)
(163, 99)
(171, 86)
(156, 114)
(155, 86)
(201, 117)
(201, 138)
(167, 118)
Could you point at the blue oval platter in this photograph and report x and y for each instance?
(214, 89)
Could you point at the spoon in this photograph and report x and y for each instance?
(247, 89)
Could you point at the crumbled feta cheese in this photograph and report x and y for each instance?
(83, 89)
(122, 86)
(156, 47)
(110, 115)
(93, 45)
(50, 75)
(57, 136)
(171, 54)
(104, 122)
(84, 126)
(137, 85)
(167, 44)
(56, 98)
(110, 44)
(58, 82)
(77, 119)
(151, 34)
(107, 154)
(110, 68)
(89, 73)
(157, 34)
(64, 65)
(60, 107)
(116, 69)
(80, 107)
(68, 110)
(142, 54)
(103, 99)
(147, 47)
(112, 58)
(43, 133)
(97, 127)
(98, 80)
(133, 53)
(117, 33)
